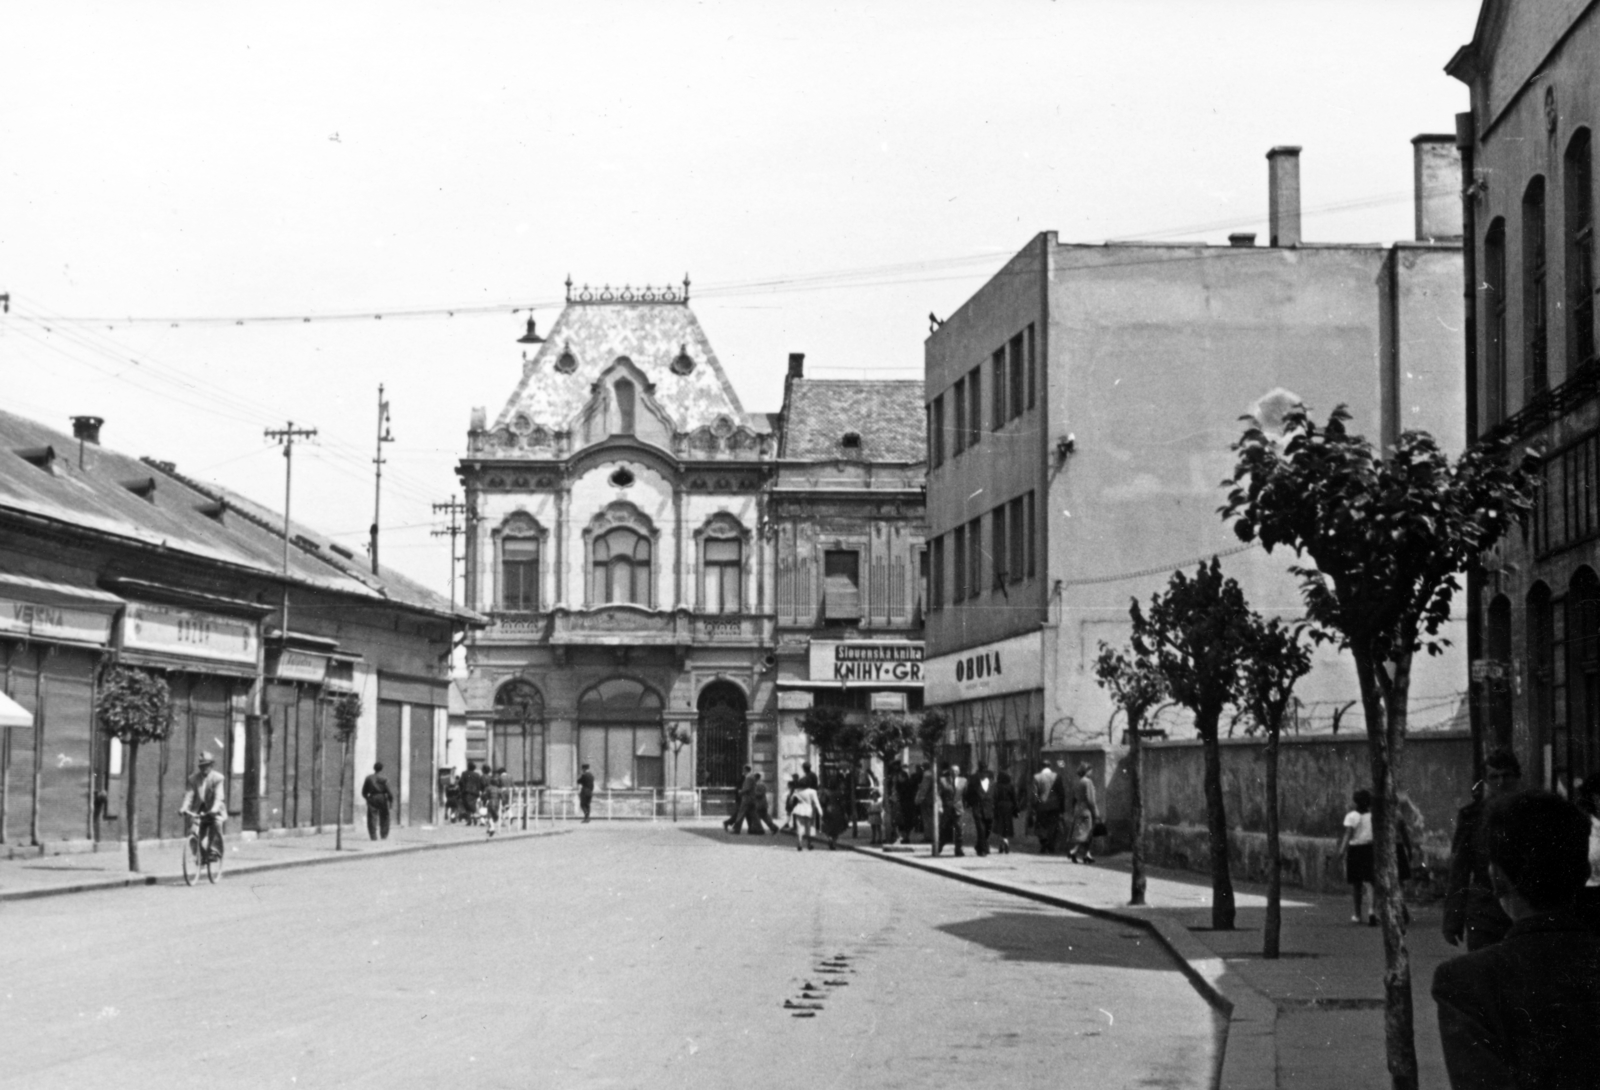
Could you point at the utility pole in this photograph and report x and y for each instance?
(287, 435)
(384, 436)
(454, 530)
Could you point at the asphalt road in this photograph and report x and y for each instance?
(611, 956)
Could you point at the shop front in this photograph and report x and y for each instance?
(298, 750)
(53, 637)
(413, 715)
(993, 697)
(860, 677)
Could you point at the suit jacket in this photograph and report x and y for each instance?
(979, 800)
(1469, 895)
(1523, 1012)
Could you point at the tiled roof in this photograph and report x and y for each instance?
(652, 336)
(150, 503)
(888, 416)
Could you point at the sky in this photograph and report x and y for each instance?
(183, 186)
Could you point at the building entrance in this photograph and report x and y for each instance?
(619, 734)
(722, 747)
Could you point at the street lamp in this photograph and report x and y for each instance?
(676, 736)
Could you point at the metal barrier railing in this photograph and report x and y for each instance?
(536, 804)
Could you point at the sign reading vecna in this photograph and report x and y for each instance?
(1005, 666)
(866, 663)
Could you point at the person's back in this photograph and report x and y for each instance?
(1525, 1012)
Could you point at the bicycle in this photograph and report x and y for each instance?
(204, 850)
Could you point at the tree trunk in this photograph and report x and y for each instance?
(338, 809)
(132, 788)
(1136, 785)
(1384, 701)
(1273, 928)
(1222, 909)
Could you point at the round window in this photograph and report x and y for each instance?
(622, 478)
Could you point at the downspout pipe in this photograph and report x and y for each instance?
(1466, 141)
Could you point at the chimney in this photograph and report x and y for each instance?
(1436, 162)
(1283, 196)
(797, 364)
(1242, 238)
(86, 429)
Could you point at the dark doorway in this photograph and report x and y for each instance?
(722, 747)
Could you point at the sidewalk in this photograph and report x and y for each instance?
(1311, 1020)
(161, 861)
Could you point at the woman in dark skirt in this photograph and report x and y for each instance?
(1006, 805)
(1355, 844)
(835, 813)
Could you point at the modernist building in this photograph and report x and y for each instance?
(1080, 411)
(106, 557)
(1534, 74)
(615, 506)
(845, 523)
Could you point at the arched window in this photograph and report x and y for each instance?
(619, 734)
(519, 541)
(722, 743)
(621, 568)
(518, 732)
(1541, 637)
(1535, 328)
(1573, 746)
(1578, 189)
(1499, 648)
(625, 399)
(1494, 331)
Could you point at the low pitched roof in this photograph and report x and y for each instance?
(150, 503)
(888, 417)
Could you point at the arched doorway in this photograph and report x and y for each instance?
(1573, 746)
(619, 734)
(517, 733)
(1541, 637)
(1499, 682)
(722, 745)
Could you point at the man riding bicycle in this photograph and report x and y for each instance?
(206, 802)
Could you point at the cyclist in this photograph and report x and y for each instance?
(206, 802)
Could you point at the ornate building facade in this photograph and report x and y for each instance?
(614, 515)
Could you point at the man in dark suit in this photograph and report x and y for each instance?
(1523, 1012)
(471, 788)
(585, 792)
(375, 789)
(980, 802)
(1471, 909)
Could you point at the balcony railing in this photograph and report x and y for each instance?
(630, 625)
(1551, 405)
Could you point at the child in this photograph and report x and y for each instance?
(875, 816)
(1355, 844)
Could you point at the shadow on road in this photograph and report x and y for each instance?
(1049, 936)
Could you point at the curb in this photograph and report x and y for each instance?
(261, 868)
(1247, 1056)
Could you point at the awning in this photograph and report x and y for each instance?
(13, 714)
(42, 590)
(37, 609)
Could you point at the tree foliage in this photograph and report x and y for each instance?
(134, 706)
(346, 715)
(930, 732)
(1275, 659)
(828, 730)
(888, 736)
(1133, 680)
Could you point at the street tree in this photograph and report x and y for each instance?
(1194, 633)
(888, 736)
(838, 740)
(134, 707)
(1135, 685)
(930, 736)
(1382, 539)
(1276, 657)
(346, 714)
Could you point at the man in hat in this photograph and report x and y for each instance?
(206, 801)
(586, 792)
(375, 789)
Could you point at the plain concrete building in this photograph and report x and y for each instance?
(1534, 74)
(1081, 406)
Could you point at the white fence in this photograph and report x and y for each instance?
(533, 804)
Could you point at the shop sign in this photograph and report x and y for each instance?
(292, 665)
(793, 700)
(887, 702)
(188, 633)
(42, 622)
(1006, 666)
(859, 664)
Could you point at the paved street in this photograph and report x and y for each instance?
(612, 956)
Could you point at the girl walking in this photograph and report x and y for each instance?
(1355, 844)
(806, 812)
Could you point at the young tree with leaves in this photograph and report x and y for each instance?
(346, 714)
(134, 707)
(1275, 659)
(1194, 633)
(1136, 685)
(1386, 537)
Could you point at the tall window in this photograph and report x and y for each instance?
(1033, 537)
(960, 411)
(1019, 540)
(1541, 637)
(1033, 370)
(1017, 366)
(621, 568)
(998, 552)
(841, 585)
(975, 558)
(1535, 328)
(1579, 192)
(922, 578)
(619, 734)
(975, 404)
(519, 574)
(936, 432)
(997, 381)
(723, 568)
(1494, 307)
(958, 568)
(625, 399)
(936, 573)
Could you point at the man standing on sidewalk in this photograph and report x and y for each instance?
(1471, 909)
(375, 789)
(585, 792)
(741, 802)
(1047, 807)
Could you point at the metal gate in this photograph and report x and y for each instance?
(722, 747)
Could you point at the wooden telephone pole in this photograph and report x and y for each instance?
(287, 435)
(384, 436)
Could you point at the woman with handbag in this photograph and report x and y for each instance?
(1085, 816)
